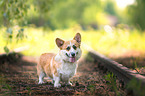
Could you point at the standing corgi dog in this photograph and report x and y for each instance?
(61, 66)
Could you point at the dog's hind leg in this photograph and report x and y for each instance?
(51, 79)
(56, 79)
(41, 74)
(41, 77)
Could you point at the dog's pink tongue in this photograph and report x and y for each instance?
(72, 59)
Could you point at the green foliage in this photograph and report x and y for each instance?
(20, 34)
(136, 14)
(56, 13)
(111, 79)
(9, 31)
(110, 8)
(6, 49)
(14, 13)
(13, 10)
(5, 88)
(71, 12)
(29, 90)
(11, 35)
(8, 87)
(136, 87)
(135, 66)
(2, 81)
(91, 88)
(43, 6)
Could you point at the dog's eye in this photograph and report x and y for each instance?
(68, 48)
(74, 47)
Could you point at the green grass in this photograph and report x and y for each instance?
(114, 42)
(111, 81)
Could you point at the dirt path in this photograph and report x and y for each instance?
(19, 78)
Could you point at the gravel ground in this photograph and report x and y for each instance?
(18, 77)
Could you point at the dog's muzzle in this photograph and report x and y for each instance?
(72, 54)
(72, 58)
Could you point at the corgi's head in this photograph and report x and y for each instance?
(70, 50)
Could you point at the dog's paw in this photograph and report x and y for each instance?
(69, 84)
(57, 85)
(41, 82)
(52, 81)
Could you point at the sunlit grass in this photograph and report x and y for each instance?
(112, 42)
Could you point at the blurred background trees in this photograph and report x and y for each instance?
(136, 13)
(60, 14)
(19, 12)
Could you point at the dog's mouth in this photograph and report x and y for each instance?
(72, 59)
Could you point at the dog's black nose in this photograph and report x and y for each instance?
(72, 54)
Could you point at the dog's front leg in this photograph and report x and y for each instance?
(65, 79)
(67, 82)
(57, 80)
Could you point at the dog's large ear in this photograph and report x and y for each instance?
(59, 42)
(77, 37)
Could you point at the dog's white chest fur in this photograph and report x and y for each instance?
(67, 69)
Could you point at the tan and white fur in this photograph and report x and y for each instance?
(61, 66)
